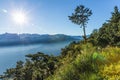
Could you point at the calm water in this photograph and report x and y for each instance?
(10, 55)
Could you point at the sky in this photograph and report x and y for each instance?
(51, 16)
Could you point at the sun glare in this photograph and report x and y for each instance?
(19, 17)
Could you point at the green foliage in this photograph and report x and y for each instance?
(97, 56)
(91, 64)
(81, 67)
(81, 17)
(37, 67)
(111, 69)
(73, 47)
(109, 33)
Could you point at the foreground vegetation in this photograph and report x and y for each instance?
(90, 63)
(97, 59)
(87, 63)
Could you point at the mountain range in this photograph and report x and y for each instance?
(17, 39)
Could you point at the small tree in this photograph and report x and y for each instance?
(80, 17)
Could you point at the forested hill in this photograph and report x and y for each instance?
(109, 33)
(15, 39)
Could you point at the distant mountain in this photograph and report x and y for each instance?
(15, 39)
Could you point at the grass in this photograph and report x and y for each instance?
(91, 63)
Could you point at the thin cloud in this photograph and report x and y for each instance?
(4, 10)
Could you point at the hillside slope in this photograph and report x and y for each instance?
(89, 63)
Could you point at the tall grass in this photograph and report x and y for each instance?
(91, 63)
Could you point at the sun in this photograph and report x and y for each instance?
(19, 17)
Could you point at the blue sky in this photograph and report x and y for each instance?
(51, 16)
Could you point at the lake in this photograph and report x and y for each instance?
(11, 54)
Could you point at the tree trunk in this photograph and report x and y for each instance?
(84, 33)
